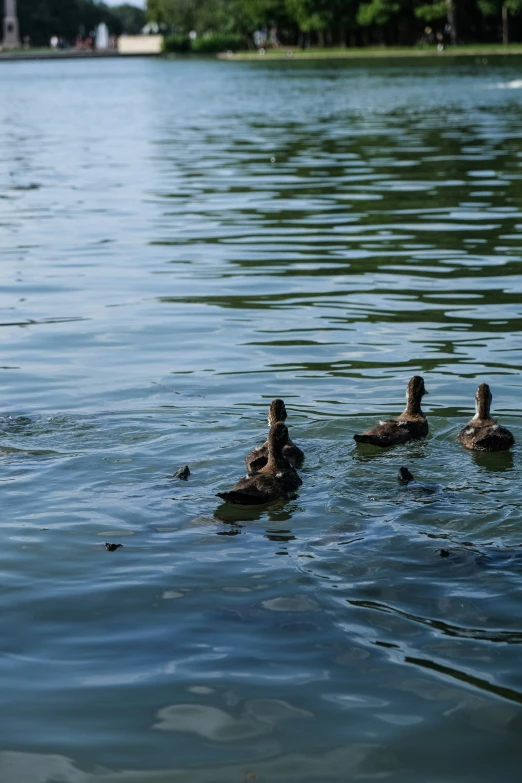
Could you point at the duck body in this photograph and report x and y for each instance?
(488, 437)
(483, 433)
(393, 432)
(274, 481)
(258, 488)
(258, 457)
(412, 424)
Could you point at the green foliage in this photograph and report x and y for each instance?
(216, 42)
(377, 12)
(41, 19)
(308, 14)
(176, 44)
(494, 7)
(431, 11)
(132, 19)
(205, 44)
(333, 22)
(514, 6)
(489, 7)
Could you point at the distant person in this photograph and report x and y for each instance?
(273, 40)
(27, 42)
(54, 42)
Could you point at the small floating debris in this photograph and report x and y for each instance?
(444, 553)
(182, 473)
(112, 547)
(404, 476)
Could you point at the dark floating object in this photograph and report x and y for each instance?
(112, 547)
(228, 533)
(483, 433)
(272, 482)
(404, 476)
(444, 553)
(258, 457)
(182, 473)
(410, 425)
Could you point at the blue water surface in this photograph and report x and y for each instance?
(181, 242)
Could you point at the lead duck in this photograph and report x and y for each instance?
(275, 480)
(258, 457)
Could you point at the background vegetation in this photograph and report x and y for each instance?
(231, 24)
(345, 22)
(41, 19)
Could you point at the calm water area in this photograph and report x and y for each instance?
(180, 243)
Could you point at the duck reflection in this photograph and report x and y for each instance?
(279, 535)
(494, 461)
(232, 514)
(235, 518)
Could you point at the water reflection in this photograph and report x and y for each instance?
(498, 461)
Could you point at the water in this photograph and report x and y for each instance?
(181, 242)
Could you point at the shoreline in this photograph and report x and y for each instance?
(362, 53)
(67, 54)
(282, 54)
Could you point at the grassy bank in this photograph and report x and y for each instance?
(55, 54)
(286, 52)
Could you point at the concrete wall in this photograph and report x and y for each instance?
(140, 44)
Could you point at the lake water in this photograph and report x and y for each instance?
(181, 242)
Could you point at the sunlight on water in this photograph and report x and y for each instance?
(182, 242)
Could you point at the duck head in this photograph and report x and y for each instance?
(483, 399)
(415, 393)
(276, 412)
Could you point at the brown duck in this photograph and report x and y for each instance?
(258, 457)
(483, 433)
(410, 425)
(275, 480)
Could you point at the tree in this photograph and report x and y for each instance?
(431, 12)
(504, 7)
(41, 19)
(132, 19)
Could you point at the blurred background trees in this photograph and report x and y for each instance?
(346, 22)
(223, 24)
(66, 19)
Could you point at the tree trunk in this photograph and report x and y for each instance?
(505, 25)
(320, 38)
(450, 13)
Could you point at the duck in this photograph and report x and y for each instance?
(410, 425)
(404, 476)
(273, 481)
(258, 457)
(407, 479)
(483, 433)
